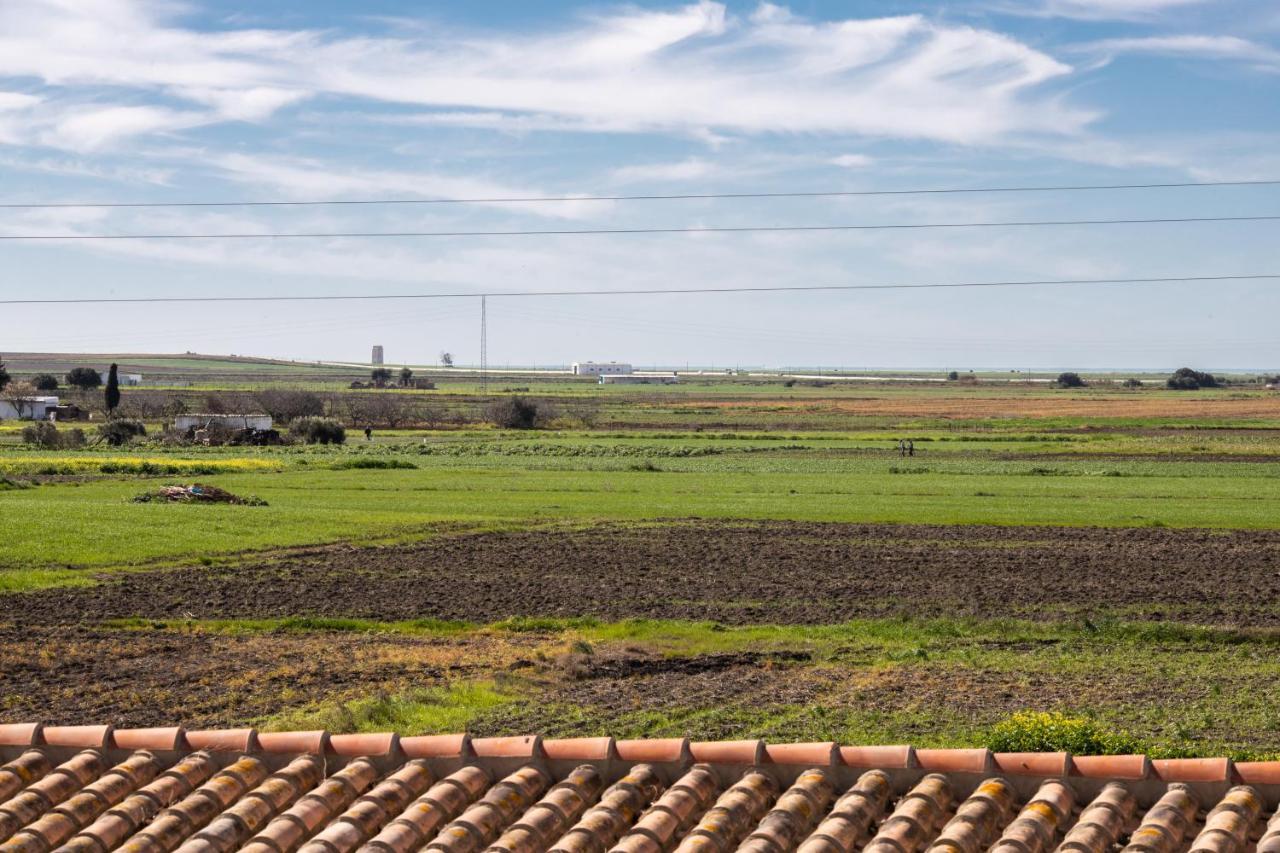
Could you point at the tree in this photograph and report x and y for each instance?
(4, 375)
(1186, 379)
(45, 382)
(84, 378)
(18, 395)
(953, 376)
(446, 358)
(406, 376)
(380, 376)
(518, 413)
(1071, 380)
(113, 390)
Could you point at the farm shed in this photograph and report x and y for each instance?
(125, 379)
(95, 788)
(597, 368)
(27, 408)
(204, 421)
(637, 379)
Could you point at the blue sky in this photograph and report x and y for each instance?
(150, 100)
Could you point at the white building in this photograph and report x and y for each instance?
(125, 379)
(198, 421)
(27, 408)
(634, 379)
(594, 368)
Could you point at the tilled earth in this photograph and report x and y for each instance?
(735, 573)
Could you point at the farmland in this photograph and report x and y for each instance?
(726, 557)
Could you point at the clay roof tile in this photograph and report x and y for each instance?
(1033, 763)
(728, 751)
(314, 742)
(382, 743)
(81, 737)
(170, 738)
(825, 754)
(581, 749)
(1194, 770)
(1112, 766)
(228, 740)
(520, 746)
(658, 750)
(437, 746)
(956, 760)
(21, 734)
(898, 757)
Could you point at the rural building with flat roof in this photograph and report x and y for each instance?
(600, 368)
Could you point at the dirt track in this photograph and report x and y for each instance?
(768, 572)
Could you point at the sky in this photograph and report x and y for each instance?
(133, 101)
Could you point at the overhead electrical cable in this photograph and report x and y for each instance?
(697, 229)
(95, 300)
(644, 197)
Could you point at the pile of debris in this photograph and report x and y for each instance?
(197, 493)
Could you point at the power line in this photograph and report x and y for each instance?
(651, 197)
(708, 229)
(657, 291)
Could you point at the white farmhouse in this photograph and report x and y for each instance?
(596, 368)
(27, 408)
(204, 421)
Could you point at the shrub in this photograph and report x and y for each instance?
(518, 413)
(41, 434)
(1070, 380)
(1132, 383)
(121, 431)
(45, 434)
(45, 382)
(84, 378)
(953, 376)
(364, 463)
(1187, 379)
(319, 430)
(4, 375)
(1041, 731)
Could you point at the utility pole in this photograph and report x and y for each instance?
(484, 348)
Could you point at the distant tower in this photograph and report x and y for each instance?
(377, 354)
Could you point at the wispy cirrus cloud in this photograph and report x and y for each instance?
(1193, 46)
(1096, 10)
(693, 70)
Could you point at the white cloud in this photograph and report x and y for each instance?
(85, 130)
(1203, 46)
(683, 170)
(694, 70)
(1096, 10)
(305, 179)
(852, 161)
(16, 101)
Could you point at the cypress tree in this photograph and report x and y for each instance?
(113, 390)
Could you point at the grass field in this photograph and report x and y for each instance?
(1089, 671)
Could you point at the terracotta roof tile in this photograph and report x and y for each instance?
(20, 734)
(658, 750)
(81, 737)
(1112, 766)
(580, 749)
(170, 738)
(955, 760)
(728, 751)
(812, 754)
(309, 792)
(437, 746)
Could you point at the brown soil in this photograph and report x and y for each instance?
(151, 678)
(772, 572)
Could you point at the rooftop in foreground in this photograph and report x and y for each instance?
(96, 789)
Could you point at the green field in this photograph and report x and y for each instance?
(1080, 675)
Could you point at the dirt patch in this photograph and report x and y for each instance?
(151, 678)
(773, 572)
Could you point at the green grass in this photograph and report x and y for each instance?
(1083, 687)
(93, 524)
(453, 708)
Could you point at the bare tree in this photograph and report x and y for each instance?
(380, 410)
(446, 358)
(18, 395)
